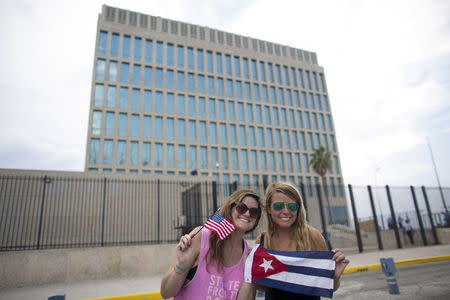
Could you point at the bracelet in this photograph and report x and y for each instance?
(179, 269)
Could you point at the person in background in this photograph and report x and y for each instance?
(409, 231)
(205, 267)
(288, 230)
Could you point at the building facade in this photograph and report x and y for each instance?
(173, 98)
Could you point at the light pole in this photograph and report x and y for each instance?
(437, 178)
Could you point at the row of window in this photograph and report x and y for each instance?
(147, 127)
(208, 85)
(335, 186)
(192, 157)
(199, 107)
(213, 62)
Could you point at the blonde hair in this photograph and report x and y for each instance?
(300, 227)
(216, 246)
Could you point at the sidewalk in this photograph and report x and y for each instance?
(126, 286)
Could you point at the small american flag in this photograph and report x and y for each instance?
(221, 226)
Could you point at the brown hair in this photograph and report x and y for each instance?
(216, 246)
(300, 227)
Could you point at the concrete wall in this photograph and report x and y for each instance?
(37, 267)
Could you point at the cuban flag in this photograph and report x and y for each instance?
(221, 226)
(302, 272)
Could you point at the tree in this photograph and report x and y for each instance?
(321, 163)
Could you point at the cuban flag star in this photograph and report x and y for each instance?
(303, 272)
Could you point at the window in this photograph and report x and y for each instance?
(233, 136)
(294, 77)
(297, 164)
(159, 78)
(214, 158)
(169, 55)
(294, 140)
(107, 152)
(180, 57)
(201, 84)
(148, 76)
(219, 68)
(123, 98)
(191, 106)
(265, 94)
(212, 108)
(109, 124)
(267, 115)
(203, 158)
(98, 98)
(275, 117)
(192, 131)
(100, 69)
(262, 160)
(262, 70)
(281, 96)
(272, 161)
(278, 74)
(289, 162)
(308, 80)
(273, 95)
(125, 69)
(126, 47)
(258, 114)
(180, 81)
(234, 159)
(135, 99)
(134, 153)
(270, 72)
(300, 78)
(220, 91)
(241, 113)
(147, 127)
(158, 155)
(200, 65)
(254, 70)
(181, 130)
(170, 129)
(223, 133)
(209, 62)
(261, 137)
(170, 159)
(287, 144)
(306, 118)
(269, 138)
(253, 160)
(202, 107)
(134, 126)
(123, 124)
(229, 88)
(283, 117)
(169, 103)
(102, 43)
(231, 112)
(250, 113)
(96, 122)
(244, 160)
(242, 135)
(211, 89)
(247, 91)
(286, 75)
(180, 105)
(148, 50)
(237, 67)
(193, 157)
(114, 45)
(288, 97)
(221, 110)
(191, 83)
(202, 131)
(245, 66)
(112, 71)
(121, 152)
(190, 58)
(159, 102)
(159, 127)
(291, 119)
(169, 79)
(228, 65)
(145, 154)
(256, 96)
(280, 161)
(111, 101)
(159, 52)
(137, 48)
(278, 138)
(181, 156)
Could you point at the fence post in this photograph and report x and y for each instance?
(433, 227)
(214, 194)
(322, 218)
(375, 218)
(103, 212)
(419, 217)
(305, 204)
(158, 197)
(394, 218)
(355, 219)
(46, 180)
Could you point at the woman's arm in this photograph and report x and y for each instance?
(186, 254)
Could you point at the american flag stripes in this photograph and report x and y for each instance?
(221, 226)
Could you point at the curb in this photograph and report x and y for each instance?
(398, 263)
(364, 268)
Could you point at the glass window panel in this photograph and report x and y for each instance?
(220, 91)
(180, 57)
(278, 74)
(202, 107)
(201, 84)
(234, 159)
(294, 77)
(123, 98)
(286, 75)
(294, 140)
(265, 94)
(308, 80)
(111, 101)
(200, 65)
(192, 131)
(193, 157)
(262, 71)
(270, 72)
(214, 158)
(181, 156)
(244, 160)
(241, 113)
(180, 105)
(203, 157)
(147, 127)
(159, 102)
(253, 160)
(121, 153)
(245, 66)
(302, 141)
(213, 133)
(170, 160)
(159, 53)
(211, 89)
(242, 135)
(229, 88)
(272, 161)
(251, 135)
(231, 111)
(123, 124)
(223, 134)
(112, 71)
(202, 131)
(314, 121)
(219, 68)
(283, 117)
(126, 47)
(147, 101)
(135, 99)
(267, 117)
(297, 99)
(169, 79)
(247, 91)
(290, 168)
(256, 96)
(310, 142)
(98, 98)
(125, 69)
(300, 78)
(170, 129)
(191, 105)
(209, 62)
(159, 127)
(306, 118)
(269, 138)
(180, 81)
(134, 153)
(100, 69)
(239, 89)
(281, 96)
(261, 137)
(191, 83)
(258, 114)
(291, 119)
(278, 138)
(287, 143)
(169, 104)
(169, 55)
(158, 155)
(148, 76)
(288, 97)
(262, 160)
(297, 164)
(107, 152)
(96, 122)
(276, 121)
(181, 130)
(148, 50)
(134, 126)
(280, 161)
(233, 136)
(249, 113)
(190, 58)
(325, 103)
(109, 124)
(254, 70)
(221, 110)
(159, 78)
(137, 48)
(237, 67)
(228, 65)
(273, 95)
(115, 45)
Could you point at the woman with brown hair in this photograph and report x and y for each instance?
(288, 230)
(208, 268)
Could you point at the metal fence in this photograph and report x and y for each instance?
(42, 212)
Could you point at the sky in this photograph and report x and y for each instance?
(387, 66)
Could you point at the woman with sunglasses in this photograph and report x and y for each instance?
(287, 230)
(205, 267)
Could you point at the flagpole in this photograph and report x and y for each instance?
(437, 177)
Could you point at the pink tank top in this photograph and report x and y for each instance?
(213, 285)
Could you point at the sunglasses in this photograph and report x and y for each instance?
(241, 208)
(292, 206)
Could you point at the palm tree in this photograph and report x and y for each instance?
(321, 163)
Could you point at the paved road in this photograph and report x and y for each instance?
(422, 281)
